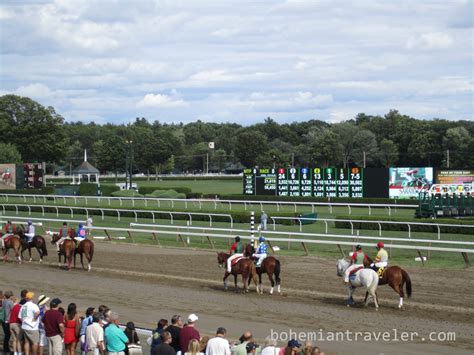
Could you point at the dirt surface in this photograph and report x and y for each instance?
(146, 283)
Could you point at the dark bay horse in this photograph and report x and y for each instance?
(395, 277)
(244, 266)
(66, 249)
(14, 243)
(37, 242)
(270, 266)
(85, 247)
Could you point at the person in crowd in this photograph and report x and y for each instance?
(89, 222)
(251, 348)
(244, 340)
(53, 322)
(218, 345)
(189, 332)
(30, 231)
(292, 349)
(156, 335)
(263, 220)
(164, 348)
(175, 329)
(307, 348)
(357, 260)
(9, 229)
(270, 347)
(317, 351)
(84, 324)
(16, 334)
(203, 343)
(95, 337)
(7, 306)
(236, 250)
(64, 234)
(29, 315)
(194, 348)
(115, 338)
(72, 322)
(42, 301)
(261, 252)
(133, 346)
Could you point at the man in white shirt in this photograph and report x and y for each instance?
(218, 345)
(29, 315)
(95, 337)
(270, 347)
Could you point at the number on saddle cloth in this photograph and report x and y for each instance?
(380, 271)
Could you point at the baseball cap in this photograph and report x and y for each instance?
(54, 302)
(293, 344)
(30, 295)
(192, 318)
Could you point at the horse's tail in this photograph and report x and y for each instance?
(277, 271)
(43, 247)
(91, 251)
(253, 273)
(407, 279)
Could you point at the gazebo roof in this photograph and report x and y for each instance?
(85, 168)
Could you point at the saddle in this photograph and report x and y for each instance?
(236, 260)
(353, 272)
(7, 239)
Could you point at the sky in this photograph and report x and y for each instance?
(239, 61)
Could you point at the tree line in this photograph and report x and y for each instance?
(34, 133)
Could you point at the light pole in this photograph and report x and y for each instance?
(129, 163)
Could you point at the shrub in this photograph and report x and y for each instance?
(126, 193)
(166, 194)
(107, 190)
(146, 190)
(88, 189)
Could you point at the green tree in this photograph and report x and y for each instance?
(365, 149)
(36, 131)
(250, 145)
(9, 154)
(347, 133)
(326, 149)
(458, 140)
(388, 152)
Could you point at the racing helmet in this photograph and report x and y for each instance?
(380, 245)
(261, 239)
(80, 226)
(29, 222)
(237, 239)
(358, 247)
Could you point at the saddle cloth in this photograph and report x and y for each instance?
(353, 272)
(380, 272)
(236, 260)
(8, 238)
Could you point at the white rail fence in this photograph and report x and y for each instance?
(379, 223)
(199, 202)
(119, 212)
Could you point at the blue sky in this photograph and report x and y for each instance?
(239, 61)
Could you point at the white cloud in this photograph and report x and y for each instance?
(159, 100)
(430, 41)
(35, 91)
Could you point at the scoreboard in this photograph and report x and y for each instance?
(306, 182)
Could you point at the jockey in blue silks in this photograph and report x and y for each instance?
(80, 234)
(261, 252)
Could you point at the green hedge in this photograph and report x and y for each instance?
(107, 190)
(430, 228)
(146, 190)
(318, 199)
(46, 190)
(126, 193)
(166, 194)
(87, 189)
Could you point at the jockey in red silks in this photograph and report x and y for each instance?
(9, 230)
(236, 250)
(357, 260)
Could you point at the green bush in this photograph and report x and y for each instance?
(146, 190)
(166, 194)
(429, 228)
(88, 189)
(126, 193)
(107, 190)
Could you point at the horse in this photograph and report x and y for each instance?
(37, 242)
(244, 266)
(7, 178)
(270, 266)
(14, 243)
(363, 278)
(66, 249)
(395, 277)
(85, 247)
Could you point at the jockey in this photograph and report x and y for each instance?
(357, 260)
(9, 230)
(261, 252)
(30, 231)
(236, 250)
(64, 234)
(80, 234)
(381, 260)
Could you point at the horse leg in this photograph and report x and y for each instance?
(29, 253)
(372, 288)
(260, 283)
(350, 300)
(398, 288)
(235, 283)
(82, 262)
(270, 277)
(226, 275)
(40, 252)
(245, 277)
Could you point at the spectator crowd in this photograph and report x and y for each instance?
(33, 326)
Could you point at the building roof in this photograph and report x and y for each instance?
(85, 168)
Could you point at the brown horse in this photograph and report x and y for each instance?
(395, 277)
(37, 242)
(66, 249)
(85, 247)
(270, 266)
(244, 266)
(14, 243)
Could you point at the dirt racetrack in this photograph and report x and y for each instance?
(145, 283)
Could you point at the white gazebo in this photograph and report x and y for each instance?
(85, 172)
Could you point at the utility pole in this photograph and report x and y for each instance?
(447, 158)
(292, 160)
(364, 160)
